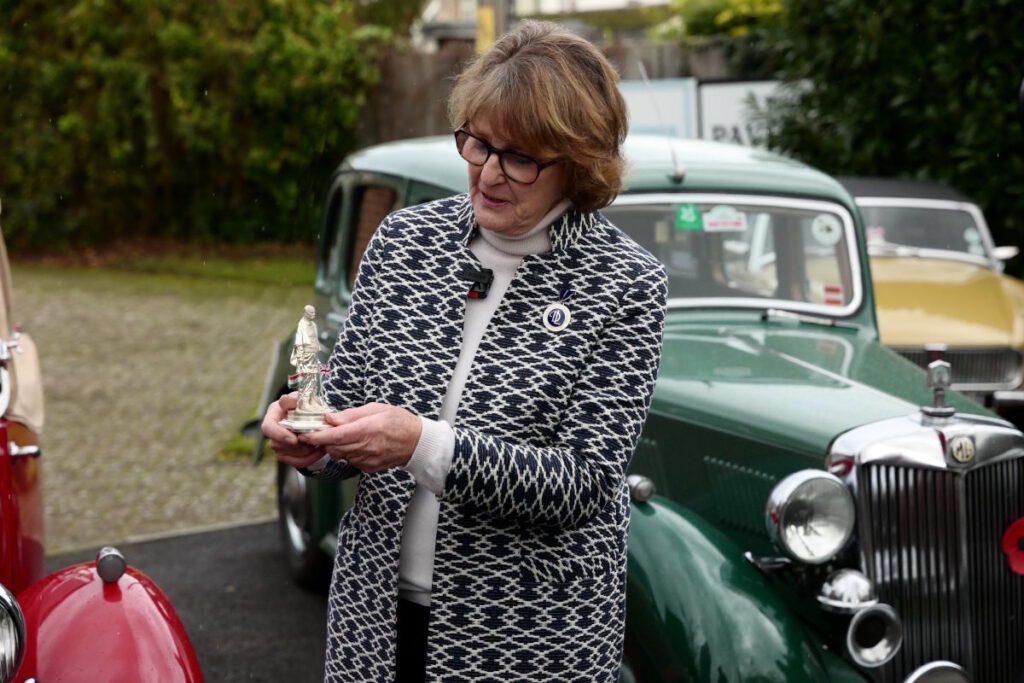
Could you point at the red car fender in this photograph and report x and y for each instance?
(79, 628)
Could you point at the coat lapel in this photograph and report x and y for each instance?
(433, 304)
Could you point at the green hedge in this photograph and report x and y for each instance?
(910, 89)
(193, 119)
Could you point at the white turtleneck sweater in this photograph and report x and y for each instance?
(432, 458)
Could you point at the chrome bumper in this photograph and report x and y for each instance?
(1008, 399)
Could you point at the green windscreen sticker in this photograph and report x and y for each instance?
(688, 217)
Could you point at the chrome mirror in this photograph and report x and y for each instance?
(1005, 253)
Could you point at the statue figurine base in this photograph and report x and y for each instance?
(302, 421)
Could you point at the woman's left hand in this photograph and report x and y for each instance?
(371, 438)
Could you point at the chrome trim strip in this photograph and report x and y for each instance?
(1009, 398)
(983, 388)
(937, 254)
(908, 441)
(5, 389)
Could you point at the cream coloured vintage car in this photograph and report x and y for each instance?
(940, 288)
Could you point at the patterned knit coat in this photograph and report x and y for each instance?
(530, 561)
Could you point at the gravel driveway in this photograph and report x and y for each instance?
(146, 377)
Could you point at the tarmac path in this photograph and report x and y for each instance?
(246, 619)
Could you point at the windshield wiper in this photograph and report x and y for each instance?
(779, 314)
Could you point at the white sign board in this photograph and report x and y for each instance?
(726, 114)
(666, 106)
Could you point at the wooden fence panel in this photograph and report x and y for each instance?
(410, 99)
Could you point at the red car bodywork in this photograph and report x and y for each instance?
(21, 511)
(82, 629)
(79, 628)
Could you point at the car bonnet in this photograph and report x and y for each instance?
(794, 387)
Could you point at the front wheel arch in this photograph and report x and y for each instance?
(697, 611)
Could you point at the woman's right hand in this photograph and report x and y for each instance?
(283, 440)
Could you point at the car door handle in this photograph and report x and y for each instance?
(17, 451)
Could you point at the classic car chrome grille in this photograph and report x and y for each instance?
(976, 368)
(932, 541)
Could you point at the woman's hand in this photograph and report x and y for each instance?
(284, 441)
(371, 438)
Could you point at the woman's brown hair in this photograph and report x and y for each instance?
(554, 94)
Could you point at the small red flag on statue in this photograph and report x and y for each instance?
(294, 380)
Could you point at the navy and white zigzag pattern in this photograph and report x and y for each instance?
(529, 571)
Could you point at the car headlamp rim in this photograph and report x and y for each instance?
(793, 491)
(11, 613)
(941, 670)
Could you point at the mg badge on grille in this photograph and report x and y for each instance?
(962, 449)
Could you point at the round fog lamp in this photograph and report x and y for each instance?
(847, 591)
(12, 635)
(810, 516)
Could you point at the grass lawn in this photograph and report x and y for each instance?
(150, 366)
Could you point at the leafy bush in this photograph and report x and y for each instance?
(733, 18)
(744, 29)
(904, 88)
(185, 118)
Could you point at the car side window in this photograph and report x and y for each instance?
(372, 203)
(420, 193)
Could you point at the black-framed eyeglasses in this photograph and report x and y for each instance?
(517, 167)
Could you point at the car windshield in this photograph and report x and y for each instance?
(744, 251)
(949, 229)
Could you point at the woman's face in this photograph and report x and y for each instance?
(501, 204)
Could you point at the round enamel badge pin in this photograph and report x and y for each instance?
(557, 317)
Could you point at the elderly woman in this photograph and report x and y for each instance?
(490, 383)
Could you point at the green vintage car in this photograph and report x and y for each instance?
(797, 516)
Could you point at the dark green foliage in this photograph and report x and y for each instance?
(728, 17)
(191, 119)
(745, 31)
(912, 89)
(398, 15)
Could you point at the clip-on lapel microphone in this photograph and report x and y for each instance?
(481, 279)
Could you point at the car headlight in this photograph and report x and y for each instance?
(810, 516)
(12, 635)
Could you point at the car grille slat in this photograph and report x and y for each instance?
(997, 368)
(932, 542)
(996, 591)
